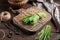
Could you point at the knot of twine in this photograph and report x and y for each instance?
(5, 16)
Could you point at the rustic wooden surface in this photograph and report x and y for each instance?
(32, 10)
(23, 36)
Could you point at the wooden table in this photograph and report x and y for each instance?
(23, 36)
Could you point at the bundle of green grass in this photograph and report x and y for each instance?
(45, 33)
(31, 19)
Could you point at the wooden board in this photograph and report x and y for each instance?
(31, 10)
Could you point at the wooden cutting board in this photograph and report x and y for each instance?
(31, 10)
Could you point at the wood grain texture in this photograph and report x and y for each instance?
(32, 10)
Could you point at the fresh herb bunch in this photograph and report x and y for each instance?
(45, 33)
(42, 14)
(30, 19)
